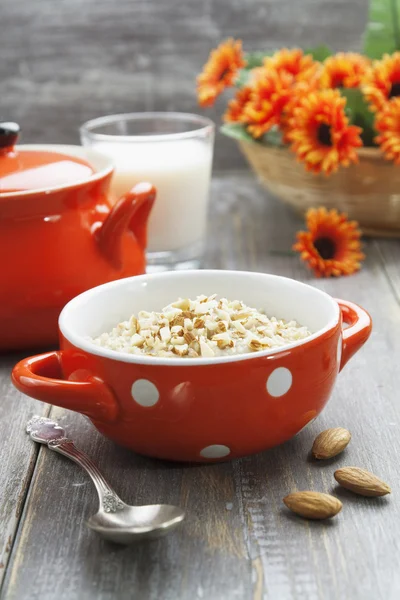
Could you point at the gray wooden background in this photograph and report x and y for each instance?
(65, 61)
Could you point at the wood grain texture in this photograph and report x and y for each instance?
(65, 62)
(239, 541)
(17, 458)
(390, 253)
(367, 192)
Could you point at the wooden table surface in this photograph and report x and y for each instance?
(239, 542)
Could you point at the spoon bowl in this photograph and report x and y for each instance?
(133, 523)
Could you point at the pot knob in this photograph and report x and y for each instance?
(8, 134)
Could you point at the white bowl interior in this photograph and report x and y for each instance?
(100, 309)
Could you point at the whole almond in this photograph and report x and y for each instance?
(330, 443)
(313, 505)
(361, 482)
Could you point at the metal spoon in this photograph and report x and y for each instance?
(115, 520)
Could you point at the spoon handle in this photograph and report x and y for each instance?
(47, 431)
(109, 500)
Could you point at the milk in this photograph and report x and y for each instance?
(180, 170)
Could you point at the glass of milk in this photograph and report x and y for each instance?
(173, 151)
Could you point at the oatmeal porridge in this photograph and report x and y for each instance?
(203, 327)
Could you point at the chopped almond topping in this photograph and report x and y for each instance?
(198, 323)
(189, 337)
(180, 350)
(179, 320)
(188, 314)
(205, 349)
(183, 304)
(204, 327)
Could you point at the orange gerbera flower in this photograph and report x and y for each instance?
(301, 66)
(320, 132)
(301, 90)
(234, 112)
(331, 246)
(387, 123)
(382, 82)
(269, 95)
(220, 71)
(344, 70)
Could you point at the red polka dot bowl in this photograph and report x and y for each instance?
(197, 409)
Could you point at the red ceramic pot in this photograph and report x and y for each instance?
(197, 409)
(60, 234)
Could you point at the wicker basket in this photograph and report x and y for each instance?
(368, 192)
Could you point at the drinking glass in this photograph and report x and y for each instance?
(173, 151)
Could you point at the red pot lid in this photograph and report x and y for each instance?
(27, 170)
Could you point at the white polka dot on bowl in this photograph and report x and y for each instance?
(279, 382)
(215, 451)
(145, 393)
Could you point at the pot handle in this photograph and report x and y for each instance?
(41, 377)
(8, 136)
(356, 334)
(131, 212)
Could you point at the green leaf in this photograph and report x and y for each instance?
(382, 34)
(273, 137)
(238, 132)
(319, 53)
(256, 59)
(242, 78)
(359, 114)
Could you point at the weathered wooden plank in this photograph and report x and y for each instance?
(17, 459)
(389, 251)
(239, 541)
(65, 62)
(62, 497)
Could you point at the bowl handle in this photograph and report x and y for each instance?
(358, 331)
(130, 213)
(41, 377)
